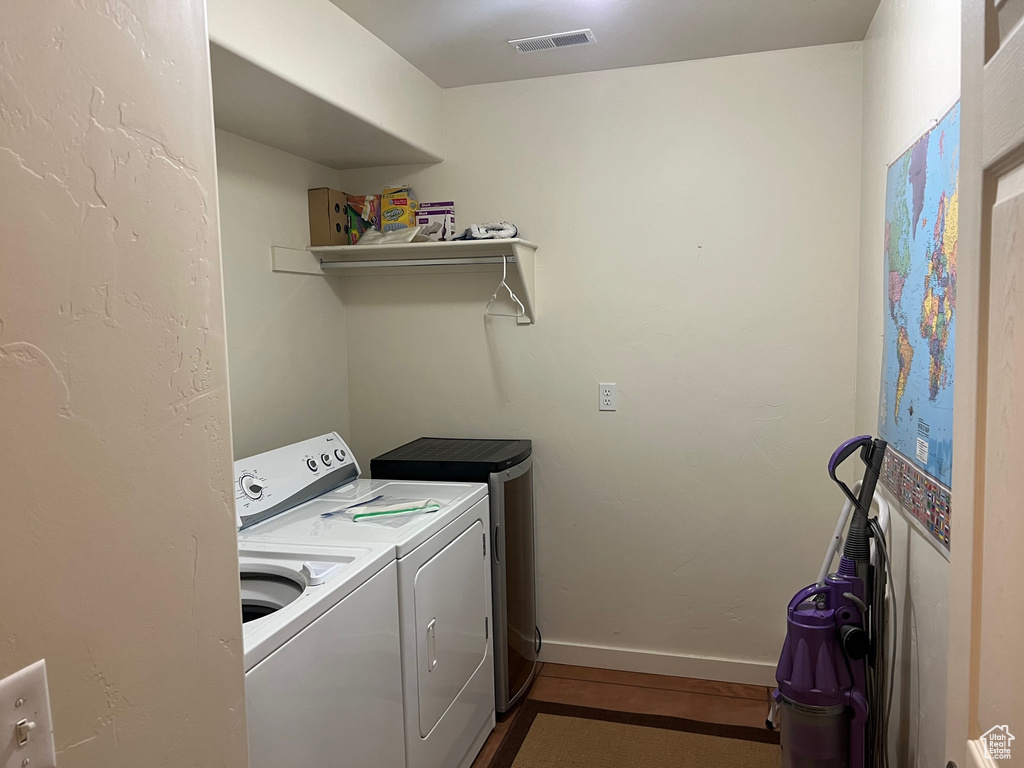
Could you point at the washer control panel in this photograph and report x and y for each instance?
(272, 482)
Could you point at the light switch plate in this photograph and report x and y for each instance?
(25, 716)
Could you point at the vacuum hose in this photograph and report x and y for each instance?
(872, 451)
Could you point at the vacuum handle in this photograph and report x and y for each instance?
(845, 451)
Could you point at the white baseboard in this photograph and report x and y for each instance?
(656, 663)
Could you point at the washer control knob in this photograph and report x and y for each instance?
(339, 454)
(251, 487)
(326, 459)
(311, 463)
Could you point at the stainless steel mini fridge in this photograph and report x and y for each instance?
(507, 468)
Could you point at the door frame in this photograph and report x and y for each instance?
(968, 408)
(980, 40)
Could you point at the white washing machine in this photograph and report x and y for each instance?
(322, 656)
(443, 579)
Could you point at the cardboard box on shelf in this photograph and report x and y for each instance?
(398, 208)
(440, 214)
(328, 218)
(337, 218)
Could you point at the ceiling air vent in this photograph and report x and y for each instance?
(557, 40)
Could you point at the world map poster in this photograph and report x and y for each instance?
(916, 399)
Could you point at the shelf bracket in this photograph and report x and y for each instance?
(297, 261)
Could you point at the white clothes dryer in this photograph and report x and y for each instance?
(443, 579)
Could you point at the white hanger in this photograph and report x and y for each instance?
(504, 273)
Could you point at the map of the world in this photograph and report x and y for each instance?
(916, 403)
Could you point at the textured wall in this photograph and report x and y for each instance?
(911, 77)
(698, 229)
(286, 333)
(117, 543)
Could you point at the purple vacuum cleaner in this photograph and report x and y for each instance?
(834, 693)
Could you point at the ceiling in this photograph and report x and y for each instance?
(463, 42)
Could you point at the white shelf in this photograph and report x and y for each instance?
(256, 103)
(420, 258)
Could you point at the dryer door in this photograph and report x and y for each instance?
(451, 618)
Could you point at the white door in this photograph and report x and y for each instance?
(986, 667)
(451, 623)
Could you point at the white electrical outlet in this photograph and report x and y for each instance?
(25, 724)
(607, 397)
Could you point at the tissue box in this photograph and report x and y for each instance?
(442, 214)
(398, 208)
(328, 217)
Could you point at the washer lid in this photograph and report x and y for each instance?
(308, 525)
(326, 575)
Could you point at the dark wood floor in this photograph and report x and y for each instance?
(706, 700)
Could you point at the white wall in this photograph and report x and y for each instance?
(911, 76)
(117, 543)
(698, 225)
(286, 332)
